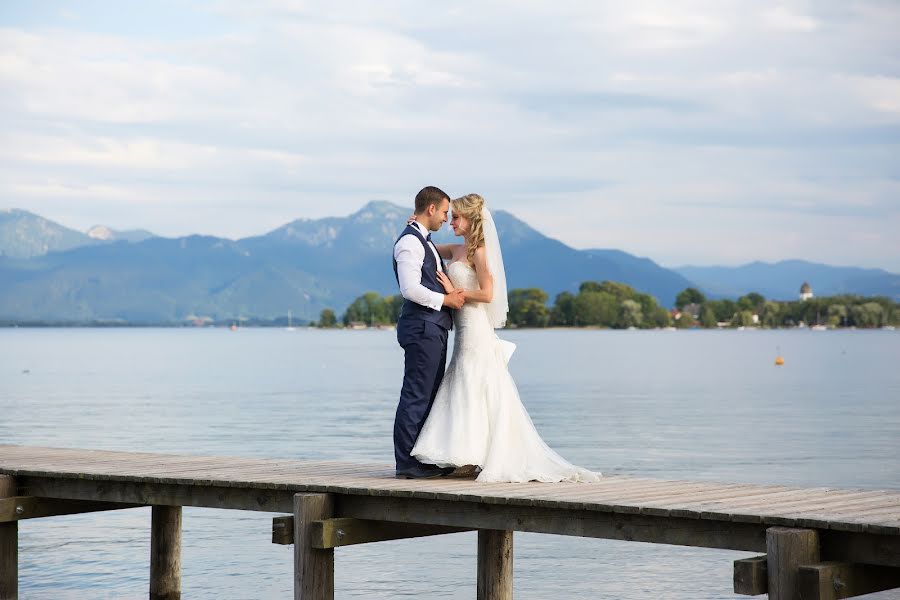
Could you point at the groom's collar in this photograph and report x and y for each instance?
(420, 228)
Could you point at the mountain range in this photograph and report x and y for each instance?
(52, 273)
(782, 280)
(26, 235)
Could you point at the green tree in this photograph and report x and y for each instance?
(563, 313)
(327, 318)
(869, 314)
(619, 291)
(689, 296)
(394, 304)
(770, 314)
(724, 309)
(661, 317)
(685, 321)
(653, 314)
(590, 286)
(751, 301)
(742, 318)
(708, 317)
(370, 308)
(631, 314)
(528, 308)
(893, 317)
(837, 315)
(595, 308)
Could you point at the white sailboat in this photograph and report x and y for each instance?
(290, 326)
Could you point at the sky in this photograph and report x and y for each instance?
(692, 132)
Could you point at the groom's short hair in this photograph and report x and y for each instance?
(429, 195)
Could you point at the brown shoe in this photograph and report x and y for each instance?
(465, 472)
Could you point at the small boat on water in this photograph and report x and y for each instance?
(818, 327)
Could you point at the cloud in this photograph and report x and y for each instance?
(780, 17)
(881, 93)
(658, 125)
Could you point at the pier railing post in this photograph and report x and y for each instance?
(495, 565)
(9, 546)
(786, 550)
(165, 553)
(313, 568)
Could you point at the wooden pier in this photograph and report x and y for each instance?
(819, 543)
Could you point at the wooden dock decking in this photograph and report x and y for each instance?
(858, 528)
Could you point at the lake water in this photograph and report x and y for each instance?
(707, 405)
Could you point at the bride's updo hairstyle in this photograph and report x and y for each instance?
(469, 206)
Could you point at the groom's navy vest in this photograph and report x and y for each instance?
(412, 310)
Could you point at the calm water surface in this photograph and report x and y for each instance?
(686, 404)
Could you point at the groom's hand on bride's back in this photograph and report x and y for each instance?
(454, 299)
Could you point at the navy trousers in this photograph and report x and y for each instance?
(425, 346)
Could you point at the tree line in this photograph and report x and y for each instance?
(613, 305)
(755, 310)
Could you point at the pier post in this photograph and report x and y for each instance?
(495, 565)
(786, 550)
(9, 546)
(313, 568)
(165, 553)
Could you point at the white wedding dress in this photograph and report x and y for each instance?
(477, 417)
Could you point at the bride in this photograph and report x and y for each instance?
(477, 421)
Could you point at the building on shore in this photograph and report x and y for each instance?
(805, 291)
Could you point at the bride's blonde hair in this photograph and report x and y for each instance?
(470, 206)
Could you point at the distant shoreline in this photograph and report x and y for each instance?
(303, 326)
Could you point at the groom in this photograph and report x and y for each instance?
(422, 329)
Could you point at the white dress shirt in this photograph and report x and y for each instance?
(410, 256)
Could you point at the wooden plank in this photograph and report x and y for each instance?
(743, 507)
(129, 492)
(583, 523)
(636, 496)
(824, 514)
(758, 503)
(690, 505)
(762, 494)
(683, 497)
(280, 500)
(9, 546)
(629, 499)
(860, 547)
(336, 533)
(814, 501)
(283, 530)
(751, 576)
(631, 495)
(786, 550)
(834, 580)
(495, 565)
(313, 567)
(850, 506)
(825, 517)
(30, 507)
(706, 494)
(165, 553)
(868, 525)
(868, 512)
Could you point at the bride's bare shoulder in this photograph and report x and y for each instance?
(458, 250)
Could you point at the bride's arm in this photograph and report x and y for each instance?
(485, 280)
(446, 250)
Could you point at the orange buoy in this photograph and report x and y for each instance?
(779, 361)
